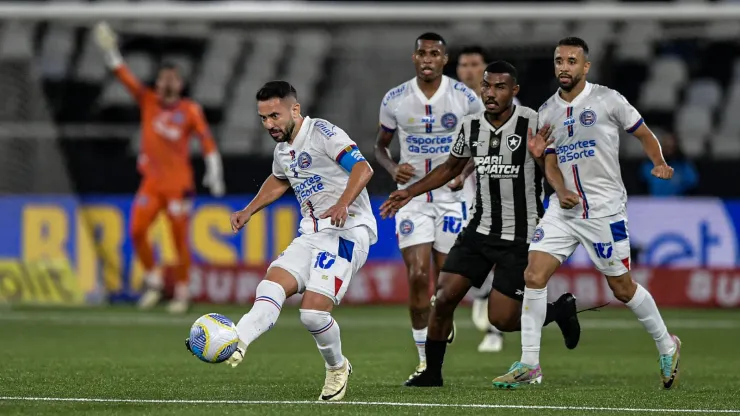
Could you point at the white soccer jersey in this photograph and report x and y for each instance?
(428, 127)
(587, 147)
(318, 164)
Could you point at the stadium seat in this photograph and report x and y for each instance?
(704, 92)
(16, 40)
(693, 124)
(726, 145)
(56, 52)
(217, 69)
(90, 66)
(671, 70)
(657, 95)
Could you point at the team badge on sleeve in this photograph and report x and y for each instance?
(587, 117)
(449, 120)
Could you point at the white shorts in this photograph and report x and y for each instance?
(325, 262)
(430, 222)
(605, 239)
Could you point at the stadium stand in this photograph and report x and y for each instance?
(683, 78)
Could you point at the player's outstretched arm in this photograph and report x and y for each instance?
(568, 199)
(214, 176)
(652, 148)
(272, 189)
(437, 178)
(107, 41)
(400, 173)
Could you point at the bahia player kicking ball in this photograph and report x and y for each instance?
(328, 175)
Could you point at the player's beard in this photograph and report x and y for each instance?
(574, 80)
(287, 133)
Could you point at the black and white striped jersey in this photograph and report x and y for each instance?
(508, 182)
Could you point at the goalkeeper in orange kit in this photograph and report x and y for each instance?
(167, 123)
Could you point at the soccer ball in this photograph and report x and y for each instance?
(213, 338)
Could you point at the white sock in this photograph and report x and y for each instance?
(268, 302)
(325, 331)
(534, 309)
(644, 307)
(420, 338)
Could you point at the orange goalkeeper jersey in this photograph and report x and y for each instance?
(164, 158)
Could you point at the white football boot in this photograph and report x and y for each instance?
(492, 342)
(335, 384)
(153, 294)
(238, 355)
(180, 302)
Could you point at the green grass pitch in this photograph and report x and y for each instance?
(131, 363)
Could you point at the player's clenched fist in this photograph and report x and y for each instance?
(397, 200)
(662, 172)
(403, 173)
(568, 199)
(238, 219)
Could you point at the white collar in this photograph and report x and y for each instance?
(579, 97)
(302, 133)
(437, 94)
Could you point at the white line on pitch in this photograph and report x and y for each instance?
(389, 404)
(153, 319)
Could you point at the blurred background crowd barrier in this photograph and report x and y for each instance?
(69, 132)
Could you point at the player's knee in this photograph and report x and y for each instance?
(314, 320)
(443, 304)
(534, 279)
(419, 286)
(504, 322)
(623, 287)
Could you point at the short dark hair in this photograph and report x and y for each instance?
(276, 89)
(168, 65)
(503, 67)
(435, 37)
(474, 50)
(574, 41)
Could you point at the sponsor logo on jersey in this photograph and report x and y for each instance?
(428, 119)
(325, 128)
(569, 122)
(178, 117)
(513, 141)
(539, 234)
(308, 187)
(459, 143)
(459, 86)
(579, 150)
(304, 160)
(406, 227)
(429, 144)
(587, 117)
(393, 94)
(449, 120)
(493, 167)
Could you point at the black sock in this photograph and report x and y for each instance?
(435, 355)
(552, 313)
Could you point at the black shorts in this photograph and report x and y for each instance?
(475, 254)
